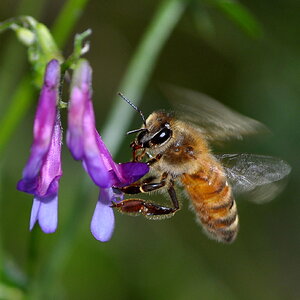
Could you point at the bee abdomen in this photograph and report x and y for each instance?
(214, 204)
(221, 224)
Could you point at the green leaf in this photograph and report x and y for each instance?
(240, 15)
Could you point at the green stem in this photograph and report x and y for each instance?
(140, 69)
(79, 49)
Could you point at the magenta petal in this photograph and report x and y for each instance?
(51, 170)
(75, 130)
(131, 172)
(45, 183)
(44, 119)
(93, 158)
(121, 174)
(80, 95)
(103, 221)
(106, 156)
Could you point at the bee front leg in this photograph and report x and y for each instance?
(145, 208)
(144, 186)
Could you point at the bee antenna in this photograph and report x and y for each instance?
(134, 106)
(136, 131)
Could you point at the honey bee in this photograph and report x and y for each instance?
(178, 151)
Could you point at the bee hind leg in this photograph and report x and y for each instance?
(145, 208)
(148, 209)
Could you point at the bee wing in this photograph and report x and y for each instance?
(216, 121)
(260, 176)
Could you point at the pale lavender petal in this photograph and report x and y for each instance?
(47, 215)
(80, 94)
(34, 212)
(103, 221)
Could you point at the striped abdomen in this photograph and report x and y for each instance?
(213, 202)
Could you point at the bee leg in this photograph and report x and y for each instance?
(173, 195)
(138, 157)
(144, 186)
(147, 209)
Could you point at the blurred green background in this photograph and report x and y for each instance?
(255, 73)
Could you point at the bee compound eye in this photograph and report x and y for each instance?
(161, 136)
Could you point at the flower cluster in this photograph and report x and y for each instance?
(43, 170)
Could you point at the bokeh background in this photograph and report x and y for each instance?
(256, 71)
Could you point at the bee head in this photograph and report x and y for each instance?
(156, 132)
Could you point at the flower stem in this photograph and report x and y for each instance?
(140, 69)
(80, 48)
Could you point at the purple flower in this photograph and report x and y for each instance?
(86, 144)
(43, 169)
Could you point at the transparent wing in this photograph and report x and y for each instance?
(215, 120)
(260, 176)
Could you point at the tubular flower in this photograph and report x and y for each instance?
(43, 170)
(86, 145)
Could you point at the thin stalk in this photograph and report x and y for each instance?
(140, 69)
